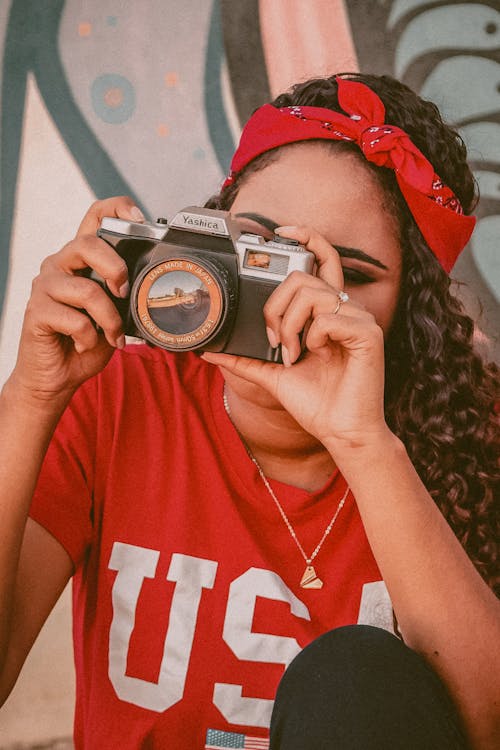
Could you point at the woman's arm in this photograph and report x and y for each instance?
(60, 348)
(445, 610)
(34, 567)
(24, 436)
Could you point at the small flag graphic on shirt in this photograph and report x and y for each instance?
(216, 740)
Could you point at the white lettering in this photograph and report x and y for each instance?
(199, 222)
(376, 607)
(191, 575)
(257, 647)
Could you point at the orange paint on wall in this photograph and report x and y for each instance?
(84, 29)
(113, 97)
(305, 39)
(171, 79)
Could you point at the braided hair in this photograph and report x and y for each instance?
(441, 399)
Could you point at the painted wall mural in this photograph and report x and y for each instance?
(103, 97)
(450, 53)
(148, 99)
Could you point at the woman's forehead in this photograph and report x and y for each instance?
(328, 189)
(315, 169)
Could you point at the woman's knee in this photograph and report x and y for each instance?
(361, 684)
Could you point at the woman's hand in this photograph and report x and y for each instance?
(71, 325)
(336, 389)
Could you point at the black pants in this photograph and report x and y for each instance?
(361, 688)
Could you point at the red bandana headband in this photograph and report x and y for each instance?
(436, 210)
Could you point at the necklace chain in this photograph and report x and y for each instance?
(308, 560)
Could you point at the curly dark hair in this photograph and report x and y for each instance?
(441, 399)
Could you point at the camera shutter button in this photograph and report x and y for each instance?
(285, 240)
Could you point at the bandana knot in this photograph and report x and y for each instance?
(435, 208)
(389, 146)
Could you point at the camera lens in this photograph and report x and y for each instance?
(181, 303)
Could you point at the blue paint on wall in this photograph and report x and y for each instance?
(113, 98)
(220, 132)
(32, 47)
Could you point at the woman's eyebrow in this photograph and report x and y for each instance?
(344, 252)
(262, 220)
(353, 252)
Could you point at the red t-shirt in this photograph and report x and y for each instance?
(187, 604)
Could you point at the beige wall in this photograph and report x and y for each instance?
(52, 197)
(40, 707)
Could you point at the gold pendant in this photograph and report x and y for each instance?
(310, 580)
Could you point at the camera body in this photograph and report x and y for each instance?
(198, 283)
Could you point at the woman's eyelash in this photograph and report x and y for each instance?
(356, 277)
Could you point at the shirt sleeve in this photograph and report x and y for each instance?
(62, 502)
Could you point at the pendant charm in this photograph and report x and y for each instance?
(310, 580)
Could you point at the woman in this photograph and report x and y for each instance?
(220, 513)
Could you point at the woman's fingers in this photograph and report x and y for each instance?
(300, 297)
(328, 259)
(62, 320)
(88, 251)
(83, 295)
(60, 281)
(359, 335)
(297, 301)
(253, 370)
(71, 323)
(122, 207)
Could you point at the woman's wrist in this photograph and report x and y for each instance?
(357, 458)
(30, 402)
(369, 444)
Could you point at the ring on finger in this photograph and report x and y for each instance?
(341, 298)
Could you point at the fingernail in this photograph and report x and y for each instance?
(284, 230)
(136, 214)
(79, 347)
(124, 290)
(208, 357)
(285, 356)
(273, 339)
(120, 342)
